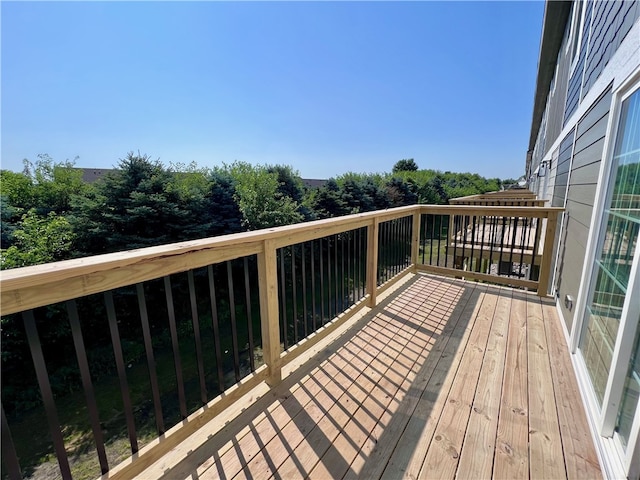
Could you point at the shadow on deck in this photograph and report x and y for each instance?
(443, 378)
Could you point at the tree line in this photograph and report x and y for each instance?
(49, 213)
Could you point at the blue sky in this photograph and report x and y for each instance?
(324, 87)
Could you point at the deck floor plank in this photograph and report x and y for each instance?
(393, 356)
(403, 442)
(476, 457)
(544, 432)
(444, 452)
(581, 460)
(511, 457)
(447, 378)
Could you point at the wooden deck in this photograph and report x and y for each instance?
(444, 379)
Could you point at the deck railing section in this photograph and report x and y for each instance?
(394, 248)
(218, 316)
(503, 245)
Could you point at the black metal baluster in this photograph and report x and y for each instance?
(329, 289)
(423, 234)
(304, 291)
(492, 239)
(283, 301)
(439, 217)
(313, 284)
(234, 326)
(351, 257)
(247, 295)
(433, 226)
(397, 245)
(513, 244)
(9, 454)
(483, 243)
(294, 293)
(151, 363)
(502, 234)
(196, 333)
(216, 328)
(408, 222)
(359, 272)
(176, 346)
(321, 248)
(342, 276)
(455, 238)
(87, 384)
(122, 373)
(522, 245)
(45, 390)
(336, 273)
(473, 241)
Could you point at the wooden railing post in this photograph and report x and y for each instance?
(269, 314)
(415, 240)
(372, 262)
(547, 252)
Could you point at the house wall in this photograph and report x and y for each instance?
(575, 138)
(572, 133)
(587, 148)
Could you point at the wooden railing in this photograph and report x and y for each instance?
(506, 198)
(294, 284)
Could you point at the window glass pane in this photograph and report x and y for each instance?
(630, 394)
(618, 247)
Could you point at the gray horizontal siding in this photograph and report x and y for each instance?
(575, 82)
(583, 181)
(611, 24)
(562, 171)
(558, 95)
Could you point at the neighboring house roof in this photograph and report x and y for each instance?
(313, 183)
(92, 175)
(556, 15)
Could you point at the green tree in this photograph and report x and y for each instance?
(38, 240)
(405, 165)
(141, 204)
(327, 201)
(260, 201)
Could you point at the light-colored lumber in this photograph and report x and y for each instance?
(511, 459)
(544, 434)
(372, 263)
(547, 251)
(415, 239)
(476, 457)
(403, 438)
(398, 377)
(518, 282)
(30, 287)
(444, 453)
(269, 313)
(581, 460)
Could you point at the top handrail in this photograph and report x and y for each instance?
(30, 287)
